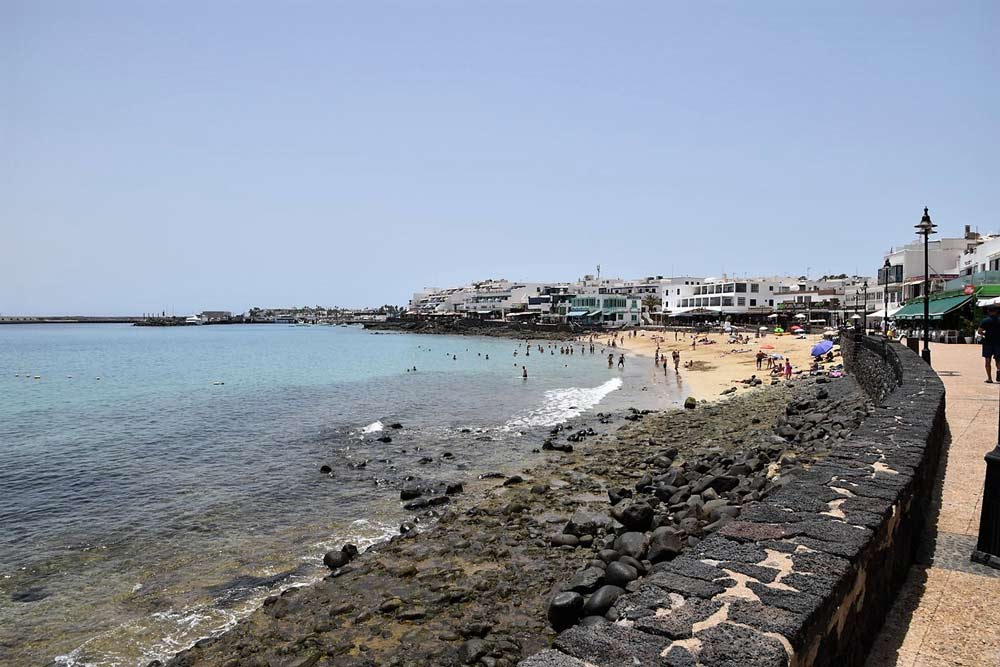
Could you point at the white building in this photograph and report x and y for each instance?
(436, 301)
(904, 279)
(728, 296)
(982, 257)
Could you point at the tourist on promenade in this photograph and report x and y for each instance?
(989, 329)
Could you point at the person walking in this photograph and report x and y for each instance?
(989, 329)
(677, 361)
(621, 361)
(760, 358)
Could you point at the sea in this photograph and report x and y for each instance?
(156, 484)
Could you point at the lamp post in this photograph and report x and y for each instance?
(885, 297)
(925, 228)
(855, 318)
(864, 312)
(988, 545)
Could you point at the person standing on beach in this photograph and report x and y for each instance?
(621, 361)
(524, 372)
(788, 369)
(760, 358)
(989, 329)
(677, 361)
(611, 359)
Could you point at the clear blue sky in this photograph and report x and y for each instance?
(202, 155)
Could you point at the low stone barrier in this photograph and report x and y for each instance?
(805, 577)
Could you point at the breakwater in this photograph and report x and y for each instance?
(804, 577)
(474, 327)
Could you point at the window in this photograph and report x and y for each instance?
(770, 302)
(741, 287)
(770, 288)
(715, 301)
(754, 287)
(741, 301)
(753, 302)
(729, 287)
(727, 301)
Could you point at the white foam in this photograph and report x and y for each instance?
(561, 405)
(374, 427)
(181, 628)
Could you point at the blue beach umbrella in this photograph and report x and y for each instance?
(822, 347)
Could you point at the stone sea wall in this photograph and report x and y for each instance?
(804, 577)
(874, 362)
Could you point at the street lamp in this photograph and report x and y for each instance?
(925, 229)
(864, 313)
(885, 297)
(856, 318)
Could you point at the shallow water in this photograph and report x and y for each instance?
(156, 484)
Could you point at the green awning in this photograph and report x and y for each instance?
(937, 308)
(987, 291)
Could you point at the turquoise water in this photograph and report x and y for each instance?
(156, 483)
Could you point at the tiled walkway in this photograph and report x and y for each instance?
(948, 613)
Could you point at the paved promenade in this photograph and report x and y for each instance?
(948, 613)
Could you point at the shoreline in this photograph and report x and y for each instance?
(474, 587)
(718, 366)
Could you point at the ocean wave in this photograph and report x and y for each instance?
(374, 427)
(561, 405)
(362, 533)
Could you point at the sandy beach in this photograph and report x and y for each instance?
(718, 365)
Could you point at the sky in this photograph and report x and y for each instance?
(186, 156)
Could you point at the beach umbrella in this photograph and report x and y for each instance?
(796, 328)
(777, 356)
(767, 346)
(800, 316)
(822, 348)
(763, 329)
(778, 330)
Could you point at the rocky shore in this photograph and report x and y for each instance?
(507, 564)
(461, 326)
